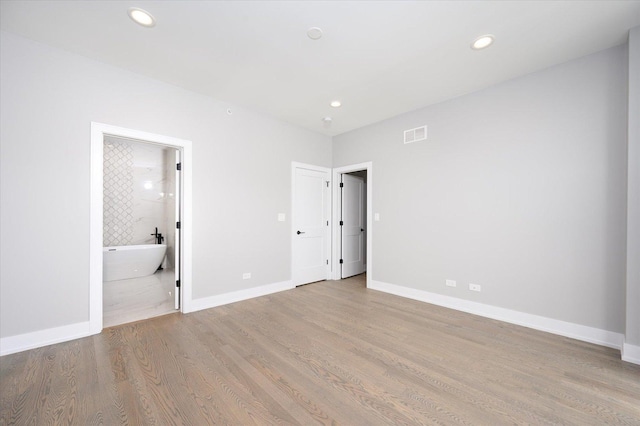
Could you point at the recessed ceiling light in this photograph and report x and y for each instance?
(314, 33)
(336, 104)
(482, 42)
(142, 17)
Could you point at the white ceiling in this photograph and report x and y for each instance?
(380, 58)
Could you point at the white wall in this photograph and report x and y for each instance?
(633, 208)
(520, 188)
(170, 198)
(241, 175)
(151, 205)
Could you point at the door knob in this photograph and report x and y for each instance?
(299, 232)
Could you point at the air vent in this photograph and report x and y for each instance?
(415, 135)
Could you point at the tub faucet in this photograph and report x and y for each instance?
(159, 237)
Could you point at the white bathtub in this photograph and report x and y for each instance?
(124, 262)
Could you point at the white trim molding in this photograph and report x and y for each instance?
(239, 295)
(631, 353)
(536, 322)
(50, 336)
(98, 132)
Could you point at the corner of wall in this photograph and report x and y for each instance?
(632, 328)
(536, 322)
(237, 296)
(631, 353)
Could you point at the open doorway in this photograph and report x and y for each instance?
(353, 221)
(181, 267)
(141, 239)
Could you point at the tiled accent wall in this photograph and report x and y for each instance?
(139, 194)
(118, 193)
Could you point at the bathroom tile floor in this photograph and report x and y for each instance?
(138, 298)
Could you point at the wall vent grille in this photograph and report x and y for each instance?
(415, 135)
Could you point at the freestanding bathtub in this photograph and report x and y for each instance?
(124, 262)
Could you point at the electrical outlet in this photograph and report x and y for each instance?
(246, 275)
(475, 287)
(450, 283)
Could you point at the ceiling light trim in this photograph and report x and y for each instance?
(141, 17)
(314, 33)
(483, 42)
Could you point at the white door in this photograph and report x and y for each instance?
(311, 212)
(352, 225)
(177, 245)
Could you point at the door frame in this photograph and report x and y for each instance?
(337, 205)
(362, 219)
(96, 214)
(296, 165)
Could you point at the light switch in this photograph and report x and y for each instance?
(376, 217)
(281, 217)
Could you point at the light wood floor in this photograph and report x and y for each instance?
(328, 353)
(136, 299)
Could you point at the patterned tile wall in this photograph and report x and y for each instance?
(118, 193)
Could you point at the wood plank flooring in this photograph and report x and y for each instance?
(327, 353)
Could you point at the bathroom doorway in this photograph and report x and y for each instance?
(140, 239)
(141, 261)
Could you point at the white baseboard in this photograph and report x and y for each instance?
(562, 328)
(631, 353)
(237, 296)
(37, 339)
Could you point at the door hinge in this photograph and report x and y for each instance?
(341, 184)
(341, 223)
(327, 223)
(178, 283)
(327, 261)
(177, 225)
(179, 166)
(341, 261)
(327, 183)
